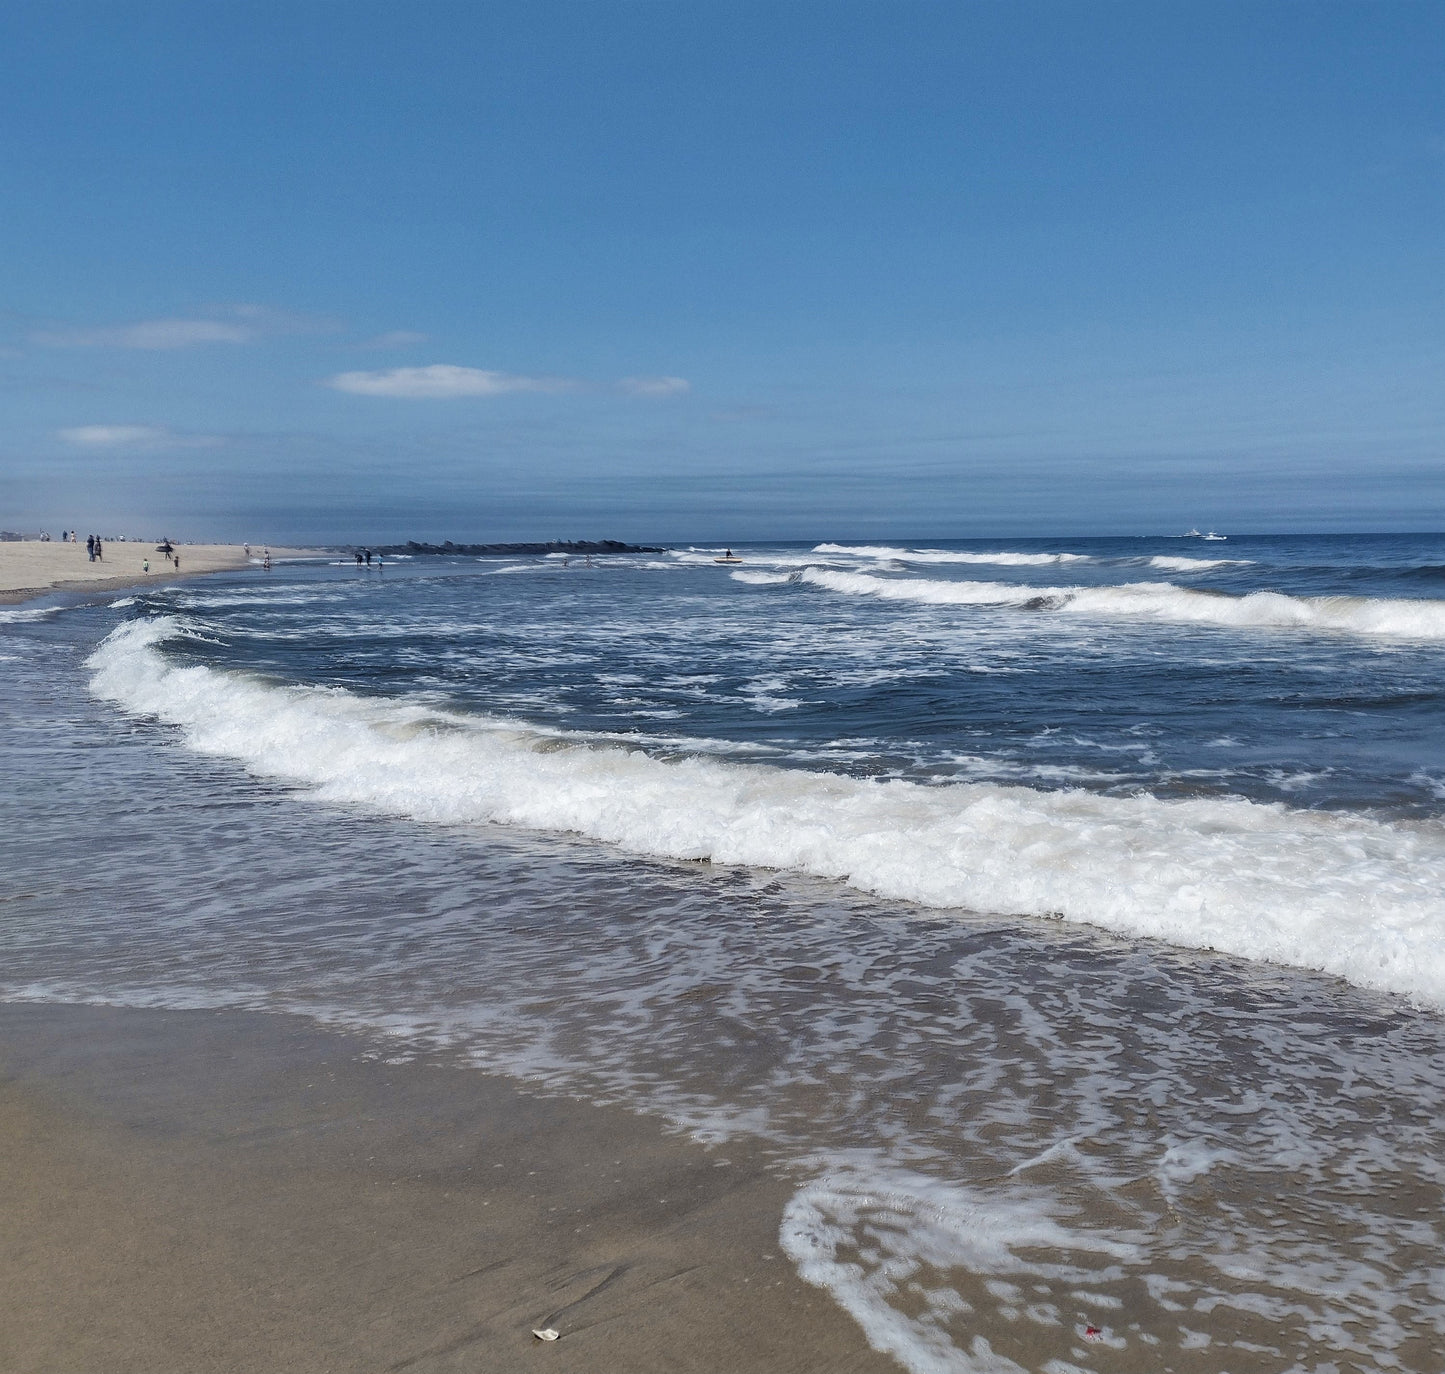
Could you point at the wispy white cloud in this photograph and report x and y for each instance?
(133, 436)
(395, 338)
(235, 324)
(654, 386)
(441, 380)
(148, 334)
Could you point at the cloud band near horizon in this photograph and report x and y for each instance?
(133, 436)
(235, 324)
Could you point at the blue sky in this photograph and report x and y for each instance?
(692, 270)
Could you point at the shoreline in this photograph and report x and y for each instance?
(221, 1191)
(31, 568)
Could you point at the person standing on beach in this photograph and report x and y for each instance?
(368, 558)
(90, 547)
(99, 551)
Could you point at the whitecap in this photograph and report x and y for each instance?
(1188, 565)
(755, 578)
(22, 615)
(1163, 601)
(1002, 558)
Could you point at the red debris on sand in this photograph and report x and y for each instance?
(1092, 1333)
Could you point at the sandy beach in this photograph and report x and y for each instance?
(193, 1191)
(30, 567)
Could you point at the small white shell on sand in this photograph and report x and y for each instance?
(545, 1333)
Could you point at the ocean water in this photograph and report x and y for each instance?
(1067, 917)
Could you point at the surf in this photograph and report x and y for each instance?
(1345, 894)
(1003, 558)
(1399, 618)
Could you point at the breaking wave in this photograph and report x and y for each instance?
(1166, 563)
(1004, 559)
(1398, 618)
(1350, 895)
(762, 579)
(25, 614)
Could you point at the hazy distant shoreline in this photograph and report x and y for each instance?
(584, 546)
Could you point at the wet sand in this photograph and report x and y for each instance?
(200, 1191)
(29, 567)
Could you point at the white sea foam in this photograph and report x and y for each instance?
(1183, 1162)
(1343, 893)
(870, 1232)
(24, 614)
(1395, 618)
(768, 558)
(756, 578)
(1003, 558)
(913, 1225)
(1187, 565)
